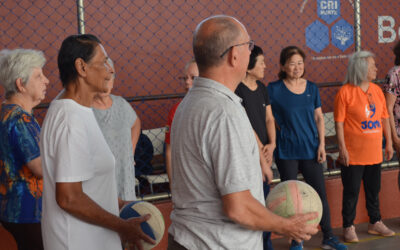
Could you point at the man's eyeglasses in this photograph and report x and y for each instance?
(250, 43)
(185, 78)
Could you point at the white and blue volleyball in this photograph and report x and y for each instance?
(154, 227)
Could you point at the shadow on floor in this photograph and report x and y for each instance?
(367, 241)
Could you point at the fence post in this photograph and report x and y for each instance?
(81, 17)
(357, 24)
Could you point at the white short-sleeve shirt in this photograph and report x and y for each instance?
(73, 149)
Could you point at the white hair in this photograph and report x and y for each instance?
(18, 63)
(189, 63)
(357, 70)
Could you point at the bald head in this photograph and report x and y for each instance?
(212, 37)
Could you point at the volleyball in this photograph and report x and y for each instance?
(154, 227)
(292, 197)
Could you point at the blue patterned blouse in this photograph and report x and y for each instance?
(20, 190)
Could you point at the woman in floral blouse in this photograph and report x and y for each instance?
(392, 94)
(21, 185)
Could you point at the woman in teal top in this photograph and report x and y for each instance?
(300, 139)
(20, 165)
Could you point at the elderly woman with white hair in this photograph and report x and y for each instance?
(360, 118)
(21, 185)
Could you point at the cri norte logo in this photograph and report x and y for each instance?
(328, 24)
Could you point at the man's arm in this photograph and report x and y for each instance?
(35, 166)
(71, 198)
(242, 208)
(319, 121)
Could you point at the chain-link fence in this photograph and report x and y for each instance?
(150, 42)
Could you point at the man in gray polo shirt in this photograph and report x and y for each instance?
(217, 179)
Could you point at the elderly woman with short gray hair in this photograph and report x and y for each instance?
(121, 128)
(360, 118)
(21, 185)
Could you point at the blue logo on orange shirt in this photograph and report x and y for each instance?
(371, 110)
(369, 113)
(370, 125)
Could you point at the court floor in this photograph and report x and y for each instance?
(367, 241)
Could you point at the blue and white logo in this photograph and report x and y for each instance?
(328, 11)
(317, 33)
(342, 35)
(371, 124)
(370, 111)
(317, 36)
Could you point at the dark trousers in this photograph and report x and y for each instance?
(267, 243)
(173, 245)
(313, 174)
(351, 179)
(27, 235)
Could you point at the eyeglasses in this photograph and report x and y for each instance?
(185, 78)
(250, 43)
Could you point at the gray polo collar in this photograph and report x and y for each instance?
(219, 87)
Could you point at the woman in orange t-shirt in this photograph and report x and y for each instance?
(360, 118)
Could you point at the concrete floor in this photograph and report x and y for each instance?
(367, 241)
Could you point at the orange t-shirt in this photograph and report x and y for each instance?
(361, 113)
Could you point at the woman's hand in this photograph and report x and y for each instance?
(267, 173)
(122, 203)
(266, 169)
(388, 151)
(321, 154)
(396, 144)
(343, 157)
(268, 151)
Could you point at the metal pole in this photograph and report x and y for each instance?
(81, 17)
(357, 24)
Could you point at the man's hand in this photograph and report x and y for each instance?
(131, 234)
(298, 229)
